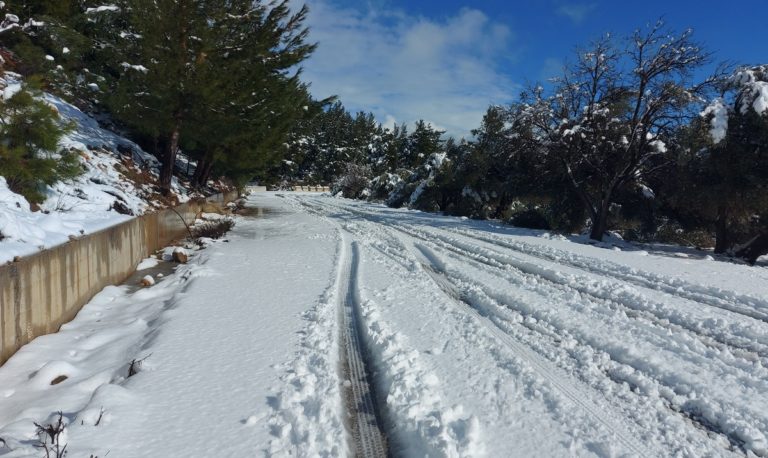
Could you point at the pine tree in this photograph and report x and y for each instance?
(423, 142)
(29, 156)
(732, 167)
(186, 67)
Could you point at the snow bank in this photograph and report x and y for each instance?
(81, 369)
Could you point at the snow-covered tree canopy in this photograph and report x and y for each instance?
(744, 91)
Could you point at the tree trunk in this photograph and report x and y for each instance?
(196, 179)
(721, 230)
(206, 175)
(599, 225)
(203, 170)
(594, 215)
(169, 160)
(600, 221)
(502, 206)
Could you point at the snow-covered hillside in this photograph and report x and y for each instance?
(481, 340)
(117, 182)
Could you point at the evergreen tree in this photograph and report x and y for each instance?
(188, 63)
(422, 143)
(731, 163)
(29, 154)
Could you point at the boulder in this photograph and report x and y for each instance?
(180, 255)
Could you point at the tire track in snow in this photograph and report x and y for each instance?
(751, 352)
(728, 302)
(359, 397)
(674, 287)
(690, 413)
(713, 422)
(574, 391)
(364, 421)
(304, 420)
(452, 291)
(421, 424)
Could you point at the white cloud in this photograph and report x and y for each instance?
(389, 121)
(407, 68)
(576, 12)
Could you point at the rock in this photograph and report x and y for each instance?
(180, 255)
(147, 281)
(59, 379)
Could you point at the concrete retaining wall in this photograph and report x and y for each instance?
(41, 292)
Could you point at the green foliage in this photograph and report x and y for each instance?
(210, 77)
(531, 217)
(30, 131)
(718, 184)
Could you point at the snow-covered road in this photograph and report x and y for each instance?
(479, 340)
(562, 348)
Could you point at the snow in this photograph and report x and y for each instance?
(719, 122)
(93, 353)
(423, 185)
(755, 91)
(760, 92)
(658, 146)
(9, 22)
(138, 68)
(646, 191)
(467, 191)
(9, 90)
(101, 9)
(148, 263)
(482, 340)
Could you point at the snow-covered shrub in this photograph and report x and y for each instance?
(531, 217)
(212, 228)
(382, 186)
(420, 190)
(355, 181)
(402, 193)
(470, 203)
(426, 196)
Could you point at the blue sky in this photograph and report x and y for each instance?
(445, 61)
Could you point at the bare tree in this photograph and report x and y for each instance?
(615, 110)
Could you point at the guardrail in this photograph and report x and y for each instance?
(311, 188)
(40, 292)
